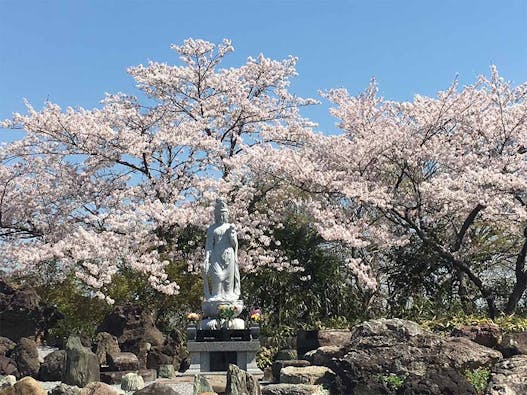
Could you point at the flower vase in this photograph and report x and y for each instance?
(255, 331)
(191, 332)
(224, 331)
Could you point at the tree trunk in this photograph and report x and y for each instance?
(462, 291)
(521, 278)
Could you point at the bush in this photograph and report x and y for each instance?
(479, 378)
(83, 313)
(506, 323)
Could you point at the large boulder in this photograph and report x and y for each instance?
(201, 384)
(166, 372)
(52, 369)
(513, 344)
(444, 380)
(311, 340)
(324, 355)
(26, 356)
(315, 375)
(7, 381)
(136, 332)
(132, 382)
(509, 377)
(403, 348)
(486, 334)
(23, 313)
(239, 382)
(81, 366)
(8, 367)
(133, 326)
(6, 346)
(25, 386)
(106, 344)
(122, 361)
(278, 365)
(171, 352)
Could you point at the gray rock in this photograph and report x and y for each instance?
(166, 371)
(64, 389)
(509, 377)
(324, 355)
(106, 344)
(293, 389)
(172, 352)
(201, 384)
(278, 365)
(26, 386)
(82, 365)
(135, 330)
(8, 366)
(123, 361)
(97, 388)
(52, 369)
(132, 382)
(156, 389)
(23, 313)
(116, 377)
(7, 381)
(239, 382)
(514, 344)
(486, 334)
(25, 355)
(444, 380)
(465, 354)
(315, 375)
(401, 347)
(311, 340)
(6, 346)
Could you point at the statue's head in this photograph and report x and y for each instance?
(221, 212)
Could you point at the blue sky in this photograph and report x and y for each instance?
(72, 52)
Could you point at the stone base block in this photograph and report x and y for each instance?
(216, 356)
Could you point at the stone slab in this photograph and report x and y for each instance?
(223, 346)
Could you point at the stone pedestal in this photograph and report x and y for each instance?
(216, 356)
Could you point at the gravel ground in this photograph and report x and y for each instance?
(181, 388)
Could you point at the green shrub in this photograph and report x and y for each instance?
(506, 323)
(392, 381)
(83, 313)
(479, 378)
(265, 357)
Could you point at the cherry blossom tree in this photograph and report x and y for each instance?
(446, 170)
(120, 184)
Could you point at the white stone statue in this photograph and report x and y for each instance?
(221, 275)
